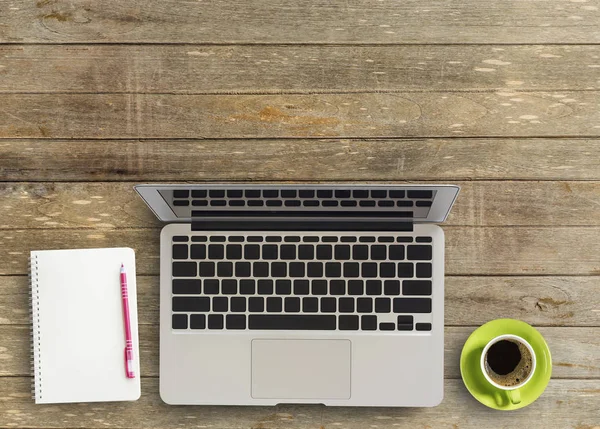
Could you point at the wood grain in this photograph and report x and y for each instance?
(469, 251)
(300, 159)
(116, 204)
(564, 404)
(304, 21)
(419, 114)
(258, 69)
(470, 301)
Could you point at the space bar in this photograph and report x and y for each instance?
(287, 322)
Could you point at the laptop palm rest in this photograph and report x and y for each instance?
(301, 369)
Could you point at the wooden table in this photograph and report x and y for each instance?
(501, 98)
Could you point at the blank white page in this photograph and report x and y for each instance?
(78, 325)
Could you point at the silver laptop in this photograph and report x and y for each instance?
(329, 294)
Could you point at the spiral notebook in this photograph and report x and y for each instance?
(78, 325)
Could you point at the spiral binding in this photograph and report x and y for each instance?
(36, 363)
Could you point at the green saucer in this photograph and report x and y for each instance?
(474, 379)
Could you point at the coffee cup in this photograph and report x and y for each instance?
(508, 363)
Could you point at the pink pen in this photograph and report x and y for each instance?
(128, 342)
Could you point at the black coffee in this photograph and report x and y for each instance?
(503, 357)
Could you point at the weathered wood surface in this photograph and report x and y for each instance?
(290, 21)
(256, 69)
(414, 114)
(469, 251)
(565, 404)
(575, 351)
(300, 159)
(116, 204)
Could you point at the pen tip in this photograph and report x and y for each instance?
(122, 267)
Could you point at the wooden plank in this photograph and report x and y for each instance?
(575, 351)
(387, 160)
(564, 404)
(419, 114)
(469, 251)
(259, 69)
(288, 21)
(116, 204)
(471, 301)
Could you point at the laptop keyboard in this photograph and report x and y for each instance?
(303, 281)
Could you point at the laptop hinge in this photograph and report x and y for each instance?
(300, 225)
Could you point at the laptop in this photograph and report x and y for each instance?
(312, 293)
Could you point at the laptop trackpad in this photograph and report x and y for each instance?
(301, 369)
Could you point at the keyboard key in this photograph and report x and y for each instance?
(383, 305)
(360, 252)
(186, 286)
(296, 269)
(378, 193)
(342, 193)
(180, 251)
(319, 287)
(199, 203)
(404, 239)
(297, 322)
(235, 193)
(255, 239)
(419, 253)
(364, 305)
(348, 323)
(366, 239)
(218, 203)
(273, 239)
(265, 287)
(378, 252)
(215, 321)
(229, 287)
(252, 193)
(405, 269)
(180, 238)
(405, 323)
(234, 251)
(236, 203)
(293, 203)
(288, 193)
(424, 270)
(310, 305)
(270, 193)
(274, 203)
(211, 287)
(310, 203)
(387, 326)
(342, 252)
(360, 193)
(328, 305)
(306, 193)
(329, 239)
(256, 304)
(324, 193)
(423, 326)
(387, 270)
(337, 287)
(292, 305)
(412, 305)
(238, 304)
(216, 193)
(197, 321)
(236, 239)
(242, 269)
(396, 194)
(310, 239)
(216, 251)
(391, 287)
(247, 287)
(348, 239)
(324, 252)
(292, 239)
(180, 203)
(369, 269)
(260, 269)
(251, 251)
(283, 287)
(314, 269)
(301, 287)
(355, 287)
(385, 239)
(373, 287)
(416, 287)
(199, 239)
(269, 251)
(368, 323)
(207, 269)
(185, 269)
(333, 269)
(274, 304)
(420, 194)
(181, 193)
(278, 269)
(218, 238)
(351, 269)
(179, 321)
(255, 203)
(346, 305)
(367, 203)
(191, 303)
(288, 252)
(198, 251)
(424, 239)
(306, 252)
(220, 304)
(329, 203)
(348, 203)
(224, 269)
(396, 252)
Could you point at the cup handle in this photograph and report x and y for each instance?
(514, 396)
